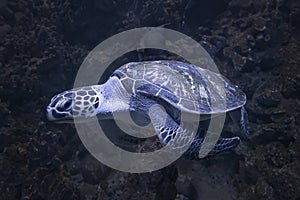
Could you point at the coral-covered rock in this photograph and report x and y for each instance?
(255, 43)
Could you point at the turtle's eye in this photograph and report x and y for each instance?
(66, 105)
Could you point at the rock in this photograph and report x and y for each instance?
(286, 181)
(266, 133)
(260, 24)
(8, 15)
(89, 192)
(73, 167)
(269, 61)
(263, 190)
(92, 170)
(166, 190)
(277, 155)
(4, 29)
(241, 56)
(295, 14)
(239, 62)
(185, 187)
(278, 116)
(203, 11)
(12, 192)
(261, 41)
(43, 43)
(3, 4)
(291, 88)
(268, 94)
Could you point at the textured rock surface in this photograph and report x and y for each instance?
(255, 43)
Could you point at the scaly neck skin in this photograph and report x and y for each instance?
(112, 98)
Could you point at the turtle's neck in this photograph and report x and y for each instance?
(114, 97)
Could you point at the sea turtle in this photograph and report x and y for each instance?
(177, 86)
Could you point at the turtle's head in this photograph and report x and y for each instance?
(80, 103)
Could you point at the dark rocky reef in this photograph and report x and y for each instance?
(255, 43)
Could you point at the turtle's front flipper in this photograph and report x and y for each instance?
(222, 145)
(167, 130)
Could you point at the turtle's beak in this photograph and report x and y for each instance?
(49, 115)
(56, 117)
(60, 118)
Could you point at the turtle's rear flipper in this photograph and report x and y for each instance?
(225, 144)
(241, 117)
(244, 122)
(169, 132)
(222, 145)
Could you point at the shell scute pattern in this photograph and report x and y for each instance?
(128, 83)
(188, 104)
(185, 86)
(166, 82)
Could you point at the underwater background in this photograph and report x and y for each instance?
(255, 44)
